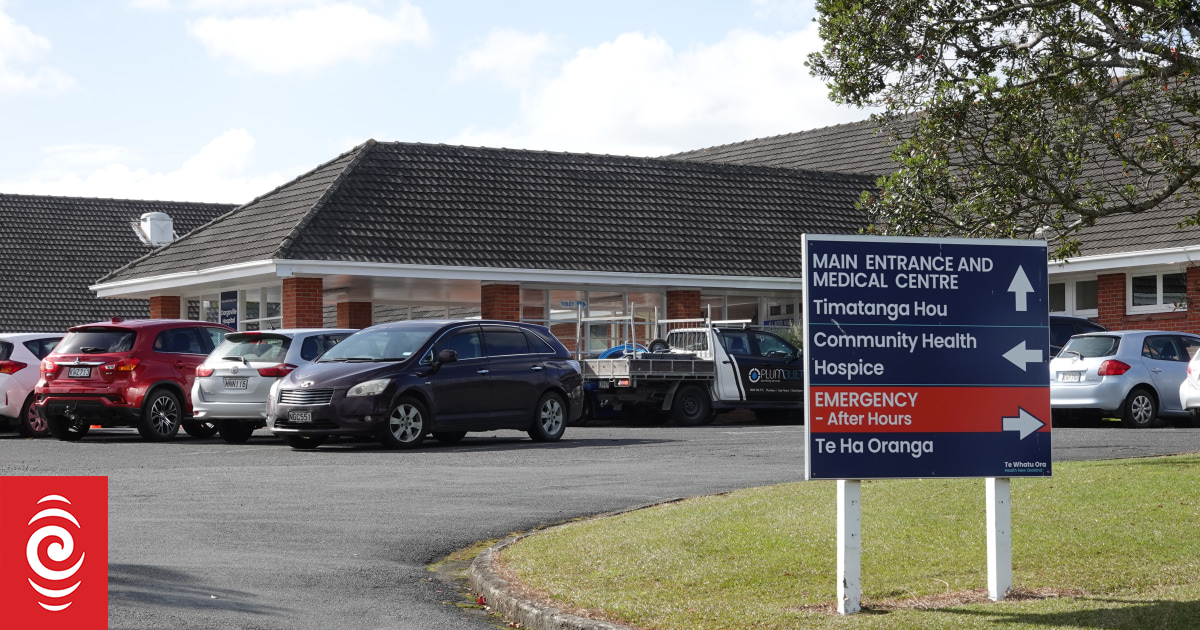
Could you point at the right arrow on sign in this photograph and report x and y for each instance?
(1020, 357)
(1024, 422)
(1020, 288)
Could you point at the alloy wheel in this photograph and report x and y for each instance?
(165, 415)
(551, 415)
(406, 423)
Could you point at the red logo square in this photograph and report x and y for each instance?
(53, 553)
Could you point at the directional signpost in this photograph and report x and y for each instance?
(926, 358)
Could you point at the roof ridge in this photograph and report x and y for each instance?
(116, 199)
(226, 215)
(779, 136)
(287, 242)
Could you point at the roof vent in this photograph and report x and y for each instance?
(156, 229)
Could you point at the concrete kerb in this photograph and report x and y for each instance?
(506, 600)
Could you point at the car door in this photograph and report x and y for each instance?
(734, 368)
(1166, 358)
(518, 376)
(777, 375)
(462, 389)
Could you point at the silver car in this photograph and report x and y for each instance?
(233, 383)
(1133, 375)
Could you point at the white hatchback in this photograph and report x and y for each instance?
(20, 355)
(1189, 389)
(233, 383)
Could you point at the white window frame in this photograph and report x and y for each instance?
(1159, 307)
(1070, 295)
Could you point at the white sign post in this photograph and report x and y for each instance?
(849, 540)
(999, 538)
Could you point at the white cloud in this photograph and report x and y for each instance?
(19, 48)
(636, 95)
(150, 4)
(507, 56)
(217, 173)
(309, 39)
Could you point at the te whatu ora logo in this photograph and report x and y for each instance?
(53, 553)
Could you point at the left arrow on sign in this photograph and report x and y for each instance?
(1020, 357)
(1024, 422)
(1020, 288)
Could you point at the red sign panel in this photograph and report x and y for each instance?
(53, 553)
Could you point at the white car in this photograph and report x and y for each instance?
(20, 356)
(233, 383)
(1189, 389)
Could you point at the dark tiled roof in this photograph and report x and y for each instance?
(55, 247)
(502, 208)
(859, 148)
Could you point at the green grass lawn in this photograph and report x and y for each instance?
(1109, 544)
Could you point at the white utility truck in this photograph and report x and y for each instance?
(695, 372)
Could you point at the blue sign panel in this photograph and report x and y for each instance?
(926, 358)
(229, 309)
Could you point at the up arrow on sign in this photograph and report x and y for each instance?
(1024, 422)
(1020, 357)
(1020, 288)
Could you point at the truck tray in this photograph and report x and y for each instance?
(610, 369)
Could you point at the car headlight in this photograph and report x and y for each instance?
(369, 388)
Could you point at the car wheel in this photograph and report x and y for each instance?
(659, 345)
(303, 442)
(200, 429)
(692, 407)
(31, 424)
(549, 419)
(161, 415)
(235, 431)
(449, 437)
(1140, 409)
(67, 429)
(406, 425)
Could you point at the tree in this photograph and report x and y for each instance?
(1021, 119)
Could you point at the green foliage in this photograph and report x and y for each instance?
(1030, 119)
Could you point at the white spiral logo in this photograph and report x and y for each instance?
(59, 551)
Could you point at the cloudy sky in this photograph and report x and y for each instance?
(222, 100)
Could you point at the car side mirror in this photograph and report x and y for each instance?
(447, 356)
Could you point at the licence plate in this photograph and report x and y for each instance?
(235, 383)
(1069, 377)
(79, 372)
(299, 416)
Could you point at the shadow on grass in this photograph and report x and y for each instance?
(1127, 614)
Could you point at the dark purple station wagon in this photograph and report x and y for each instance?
(402, 381)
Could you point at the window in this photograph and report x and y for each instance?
(179, 341)
(772, 346)
(216, 336)
(1074, 297)
(537, 344)
(1058, 297)
(41, 347)
(501, 343)
(313, 346)
(1156, 292)
(1163, 349)
(736, 343)
(464, 342)
(1086, 295)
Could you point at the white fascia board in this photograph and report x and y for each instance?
(287, 268)
(1124, 260)
(174, 282)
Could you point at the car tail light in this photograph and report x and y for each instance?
(11, 367)
(204, 371)
(283, 369)
(47, 367)
(1113, 367)
(124, 365)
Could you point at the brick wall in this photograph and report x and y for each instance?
(354, 314)
(1111, 307)
(500, 301)
(683, 304)
(302, 303)
(164, 307)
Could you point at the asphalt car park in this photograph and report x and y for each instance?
(205, 534)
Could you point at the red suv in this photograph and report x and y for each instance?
(126, 373)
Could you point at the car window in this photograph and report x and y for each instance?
(1092, 346)
(736, 343)
(537, 344)
(465, 342)
(1191, 346)
(42, 347)
(179, 341)
(1060, 333)
(1161, 348)
(504, 342)
(215, 336)
(1087, 328)
(261, 349)
(388, 344)
(313, 346)
(96, 341)
(772, 346)
(5, 350)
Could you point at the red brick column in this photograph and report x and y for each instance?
(500, 301)
(683, 304)
(1110, 295)
(302, 302)
(164, 307)
(354, 314)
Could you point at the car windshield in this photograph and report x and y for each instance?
(96, 341)
(1092, 346)
(265, 349)
(388, 344)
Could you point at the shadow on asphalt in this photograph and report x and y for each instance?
(482, 444)
(1126, 614)
(159, 587)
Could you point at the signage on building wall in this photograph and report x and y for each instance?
(229, 309)
(926, 358)
(572, 304)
